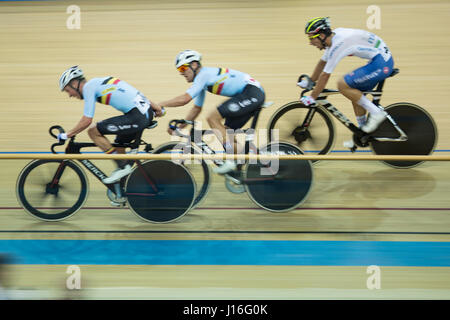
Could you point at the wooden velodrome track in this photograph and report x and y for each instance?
(137, 41)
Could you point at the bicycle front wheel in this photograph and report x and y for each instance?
(52, 190)
(417, 124)
(279, 185)
(198, 168)
(160, 191)
(286, 125)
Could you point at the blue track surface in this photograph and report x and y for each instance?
(229, 252)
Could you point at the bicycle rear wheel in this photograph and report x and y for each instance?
(52, 190)
(286, 123)
(160, 191)
(280, 185)
(198, 168)
(418, 125)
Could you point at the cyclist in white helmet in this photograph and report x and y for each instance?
(343, 42)
(137, 111)
(245, 97)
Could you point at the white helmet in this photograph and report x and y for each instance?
(187, 56)
(68, 75)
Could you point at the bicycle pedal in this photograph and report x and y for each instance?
(234, 187)
(152, 124)
(117, 204)
(349, 144)
(233, 179)
(120, 200)
(234, 176)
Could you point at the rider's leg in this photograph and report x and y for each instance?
(215, 122)
(100, 140)
(357, 98)
(354, 95)
(366, 78)
(104, 144)
(236, 111)
(215, 119)
(124, 127)
(360, 114)
(360, 105)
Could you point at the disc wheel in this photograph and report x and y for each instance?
(417, 124)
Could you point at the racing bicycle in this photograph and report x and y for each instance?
(277, 185)
(157, 191)
(408, 129)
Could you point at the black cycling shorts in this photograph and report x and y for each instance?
(126, 126)
(240, 108)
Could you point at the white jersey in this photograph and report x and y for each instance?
(353, 42)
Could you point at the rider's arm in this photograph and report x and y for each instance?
(82, 124)
(318, 70)
(179, 101)
(320, 84)
(157, 108)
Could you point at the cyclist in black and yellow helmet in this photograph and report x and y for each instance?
(317, 27)
(343, 42)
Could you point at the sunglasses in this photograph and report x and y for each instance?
(314, 36)
(183, 68)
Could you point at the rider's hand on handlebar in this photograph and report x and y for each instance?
(308, 100)
(62, 137)
(159, 111)
(172, 128)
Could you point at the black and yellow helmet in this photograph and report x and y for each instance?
(318, 25)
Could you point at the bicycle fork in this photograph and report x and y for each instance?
(53, 186)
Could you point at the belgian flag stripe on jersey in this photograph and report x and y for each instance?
(217, 88)
(107, 97)
(222, 71)
(111, 80)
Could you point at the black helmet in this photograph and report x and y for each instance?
(318, 25)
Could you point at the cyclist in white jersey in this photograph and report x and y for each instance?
(246, 97)
(340, 43)
(137, 112)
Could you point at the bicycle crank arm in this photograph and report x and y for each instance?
(232, 179)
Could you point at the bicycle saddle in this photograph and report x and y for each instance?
(394, 72)
(152, 124)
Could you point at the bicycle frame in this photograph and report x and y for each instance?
(249, 147)
(75, 148)
(376, 97)
(205, 148)
(256, 178)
